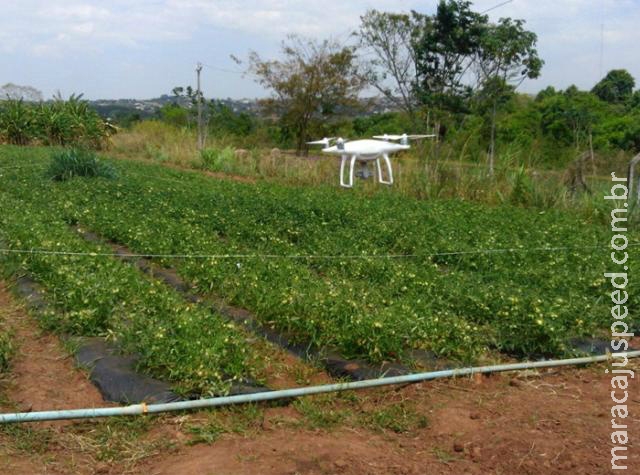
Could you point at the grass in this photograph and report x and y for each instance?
(243, 420)
(70, 163)
(8, 345)
(117, 443)
(398, 418)
(429, 171)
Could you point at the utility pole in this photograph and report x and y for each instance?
(199, 99)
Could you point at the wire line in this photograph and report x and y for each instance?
(299, 256)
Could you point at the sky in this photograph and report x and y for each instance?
(144, 48)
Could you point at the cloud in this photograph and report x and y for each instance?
(569, 31)
(64, 24)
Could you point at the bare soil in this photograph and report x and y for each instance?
(543, 422)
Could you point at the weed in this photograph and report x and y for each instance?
(28, 439)
(218, 160)
(205, 434)
(7, 347)
(444, 456)
(236, 420)
(75, 162)
(397, 418)
(321, 412)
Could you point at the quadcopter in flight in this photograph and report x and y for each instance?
(365, 151)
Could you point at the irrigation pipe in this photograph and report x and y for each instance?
(142, 409)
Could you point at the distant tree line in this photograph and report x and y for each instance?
(454, 72)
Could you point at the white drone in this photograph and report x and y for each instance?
(365, 151)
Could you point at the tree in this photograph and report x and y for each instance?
(224, 120)
(569, 117)
(616, 87)
(20, 93)
(445, 52)
(634, 100)
(311, 83)
(506, 56)
(388, 59)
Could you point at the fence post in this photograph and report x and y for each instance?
(630, 179)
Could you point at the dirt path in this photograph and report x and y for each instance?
(545, 423)
(42, 377)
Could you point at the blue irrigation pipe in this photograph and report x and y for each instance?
(141, 409)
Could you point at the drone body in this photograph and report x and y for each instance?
(365, 151)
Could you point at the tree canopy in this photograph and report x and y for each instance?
(311, 82)
(617, 86)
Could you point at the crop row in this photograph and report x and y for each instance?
(176, 340)
(525, 301)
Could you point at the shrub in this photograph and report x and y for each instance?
(78, 162)
(218, 160)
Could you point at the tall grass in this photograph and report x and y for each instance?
(429, 171)
(59, 122)
(70, 163)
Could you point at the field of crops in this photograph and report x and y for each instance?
(374, 277)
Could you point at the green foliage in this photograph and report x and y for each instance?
(376, 308)
(224, 121)
(218, 160)
(74, 162)
(444, 51)
(616, 87)
(398, 418)
(17, 122)
(175, 115)
(66, 123)
(312, 82)
(389, 65)
(96, 295)
(7, 348)
(377, 124)
(321, 412)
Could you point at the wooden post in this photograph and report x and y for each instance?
(199, 99)
(630, 179)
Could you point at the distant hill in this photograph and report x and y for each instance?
(148, 108)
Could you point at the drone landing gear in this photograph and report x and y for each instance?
(389, 180)
(343, 163)
(364, 172)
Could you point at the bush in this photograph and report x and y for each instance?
(218, 160)
(78, 162)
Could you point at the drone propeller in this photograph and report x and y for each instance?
(387, 137)
(403, 136)
(325, 141)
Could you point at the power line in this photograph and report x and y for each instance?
(19, 167)
(302, 256)
(224, 70)
(496, 6)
